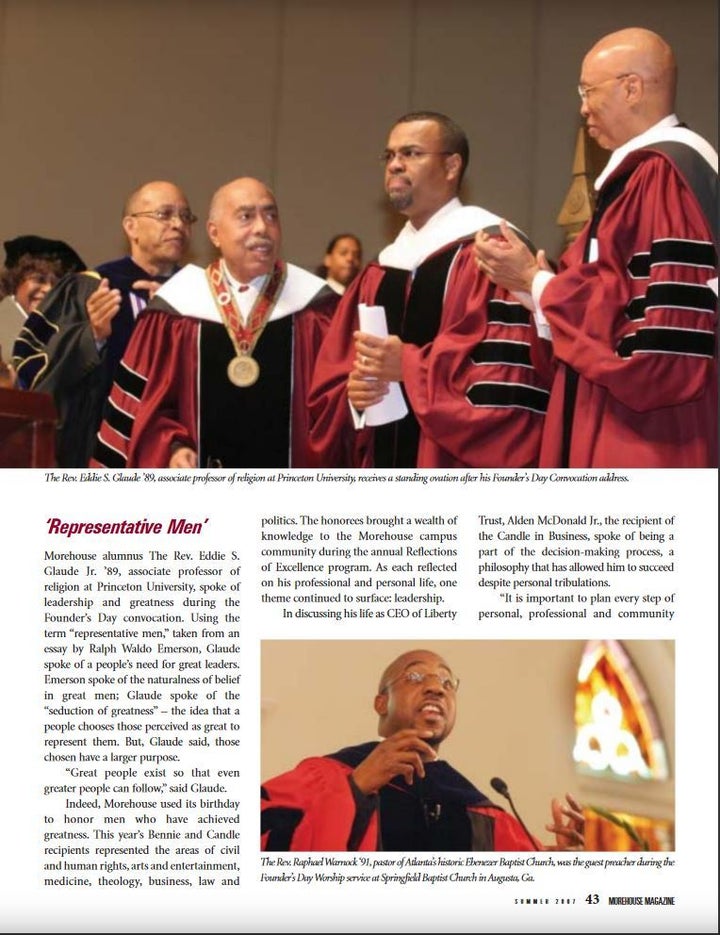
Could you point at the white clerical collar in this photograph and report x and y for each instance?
(664, 130)
(454, 221)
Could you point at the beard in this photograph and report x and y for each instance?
(401, 200)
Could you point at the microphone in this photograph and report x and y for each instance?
(500, 786)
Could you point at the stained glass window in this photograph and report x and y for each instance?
(617, 730)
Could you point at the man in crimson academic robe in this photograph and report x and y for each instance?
(71, 346)
(396, 794)
(632, 311)
(478, 409)
(217, 370)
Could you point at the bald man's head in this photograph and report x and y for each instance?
(629, 80)
(417, 690)
(157, 221)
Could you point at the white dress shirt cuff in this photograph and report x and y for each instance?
(540, 280)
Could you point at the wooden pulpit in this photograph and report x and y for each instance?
(27, 429)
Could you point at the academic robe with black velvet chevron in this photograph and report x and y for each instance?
(172, 389)
(475, 373)
(635, 329)
(56, 352)
(316, 807)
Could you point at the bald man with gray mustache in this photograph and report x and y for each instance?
(216, 374)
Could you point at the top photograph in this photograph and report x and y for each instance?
(472, 239)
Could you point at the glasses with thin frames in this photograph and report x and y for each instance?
(414, 677)
(165, 215)
(409, 154)
(586, 90)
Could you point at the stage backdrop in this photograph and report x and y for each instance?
(97, 97)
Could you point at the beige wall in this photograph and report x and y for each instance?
(515, 713)
(97, 96)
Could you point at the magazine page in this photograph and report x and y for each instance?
(300, 639)
(180, 638)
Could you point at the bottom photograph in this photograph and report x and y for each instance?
(467, 745)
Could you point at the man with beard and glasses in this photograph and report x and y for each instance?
(216, 373)
(472, 370)
(396, 794)
(71, 346)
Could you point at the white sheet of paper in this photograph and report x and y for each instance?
(393, 406)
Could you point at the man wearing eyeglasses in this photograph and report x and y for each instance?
(71, 347)
(216, 373)
(483, 412)
(632, 312)
(397, 794)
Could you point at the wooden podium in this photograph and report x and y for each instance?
(27, 429)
